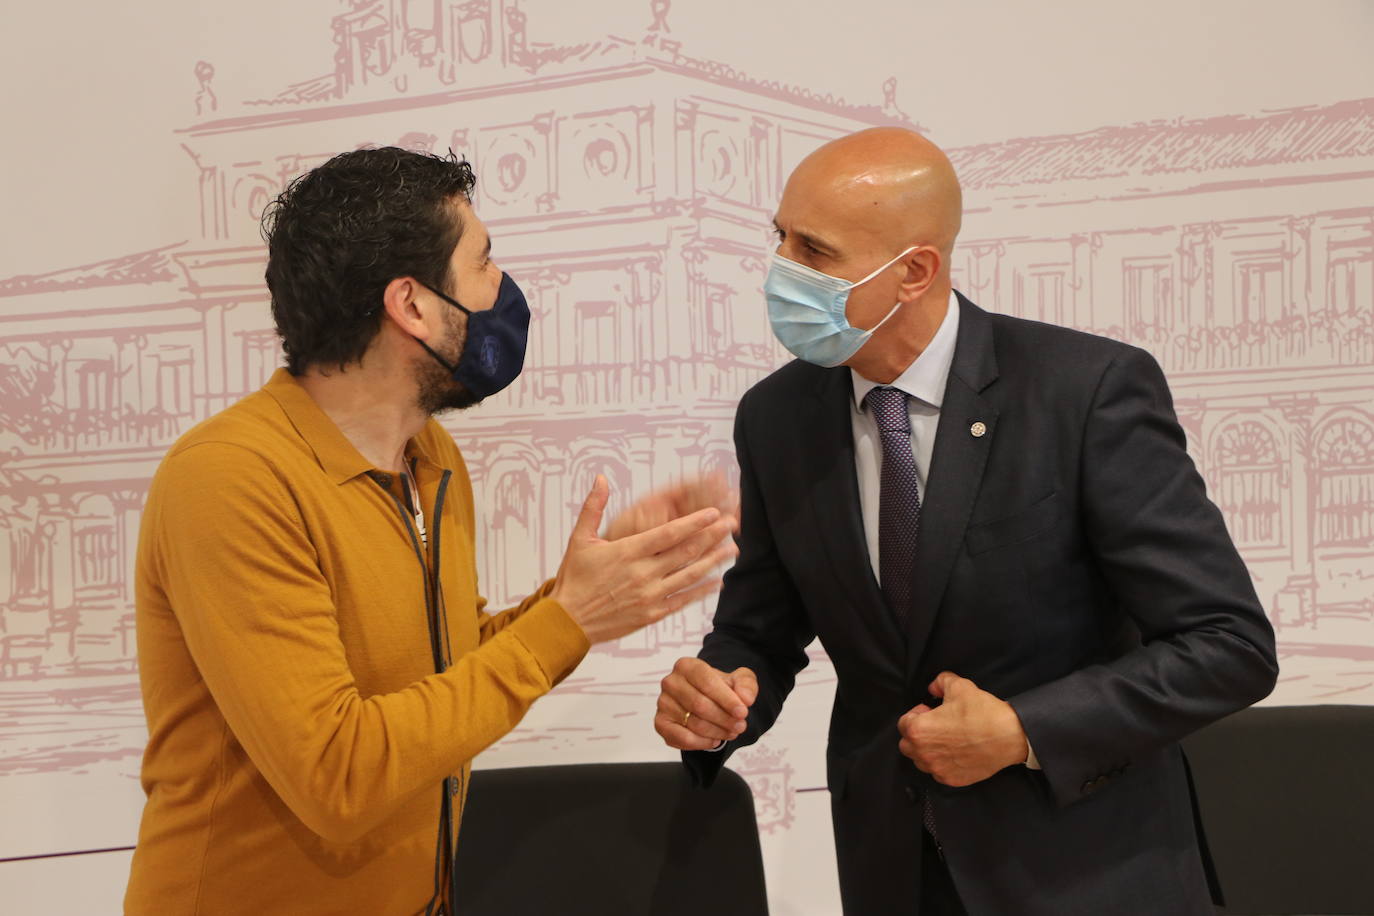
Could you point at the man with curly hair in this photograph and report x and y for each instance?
(318, 668)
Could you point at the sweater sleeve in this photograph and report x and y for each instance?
(492, 623)
(259, 621)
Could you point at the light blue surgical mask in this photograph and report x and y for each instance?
(806, 310)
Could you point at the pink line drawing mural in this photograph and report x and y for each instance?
(629, 187)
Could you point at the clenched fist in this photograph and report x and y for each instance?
(967, 738)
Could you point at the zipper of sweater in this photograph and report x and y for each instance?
(440, 606)
(431, 611)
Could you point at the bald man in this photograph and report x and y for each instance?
(993, 528)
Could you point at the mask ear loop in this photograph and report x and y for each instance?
(885, 318)
(874, 274)
(451, 368)
(858, 283)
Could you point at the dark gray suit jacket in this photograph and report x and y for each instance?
(1068, 561)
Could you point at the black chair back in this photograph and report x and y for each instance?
(608, 840)
(1287, 801)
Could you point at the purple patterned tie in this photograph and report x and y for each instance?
(899, 502)
(899, 518)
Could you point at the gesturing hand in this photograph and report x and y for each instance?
(700, 706)
(616, 587)
(967, 738)
(676, 501)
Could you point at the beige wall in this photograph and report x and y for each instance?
(1197, 180)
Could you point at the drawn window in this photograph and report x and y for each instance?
(1248, 471)
(1350, 280)
(517, 557)
(1148, 293)
(1039, 295)
(1345, 483)
(174, 390)
(719, 326)
(1259, 291)
(597, 341)
(95, 385)
(31, 554)
(261, 356)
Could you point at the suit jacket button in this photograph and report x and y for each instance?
(910, 794)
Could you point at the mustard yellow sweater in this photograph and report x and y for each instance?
(300, 739)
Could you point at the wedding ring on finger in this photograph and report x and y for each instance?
(685, 716)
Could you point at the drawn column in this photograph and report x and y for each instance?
(212, 363)
(1080, 283)
(557, 504)
(984, 268)
(9, 548)
(1192, 296)
(128, 508)
(1302, 272)
(684, 175)
(1294, 604)
(56, 532)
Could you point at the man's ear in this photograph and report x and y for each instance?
(406, 308)
(922, 267)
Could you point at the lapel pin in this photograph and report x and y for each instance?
(978, 429)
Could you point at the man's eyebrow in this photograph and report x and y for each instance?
(811, 240)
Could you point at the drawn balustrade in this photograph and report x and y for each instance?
(1324, 339)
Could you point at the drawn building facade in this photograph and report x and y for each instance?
(634, 216)
(1240, 250)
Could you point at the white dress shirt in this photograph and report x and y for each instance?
(924, 380)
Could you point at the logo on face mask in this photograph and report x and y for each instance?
(491, 356)
(806, 311)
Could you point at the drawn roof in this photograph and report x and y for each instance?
(356, 30)
(152, 266)
(1296, 135)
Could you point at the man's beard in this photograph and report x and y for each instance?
(439, 391)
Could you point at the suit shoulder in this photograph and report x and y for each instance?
(1055, 349)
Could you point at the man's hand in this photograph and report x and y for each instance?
(677, 501)
(612, 588)
(718, 704)
(967, 738)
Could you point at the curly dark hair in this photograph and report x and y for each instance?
(341, 232)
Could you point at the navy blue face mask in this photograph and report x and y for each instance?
(494, 351)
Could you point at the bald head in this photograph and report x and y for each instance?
(879, 209)
(887, 185)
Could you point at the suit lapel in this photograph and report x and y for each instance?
(834, 492)
(956, 472)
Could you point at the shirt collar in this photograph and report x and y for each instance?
(925, 379)
(336, 455)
